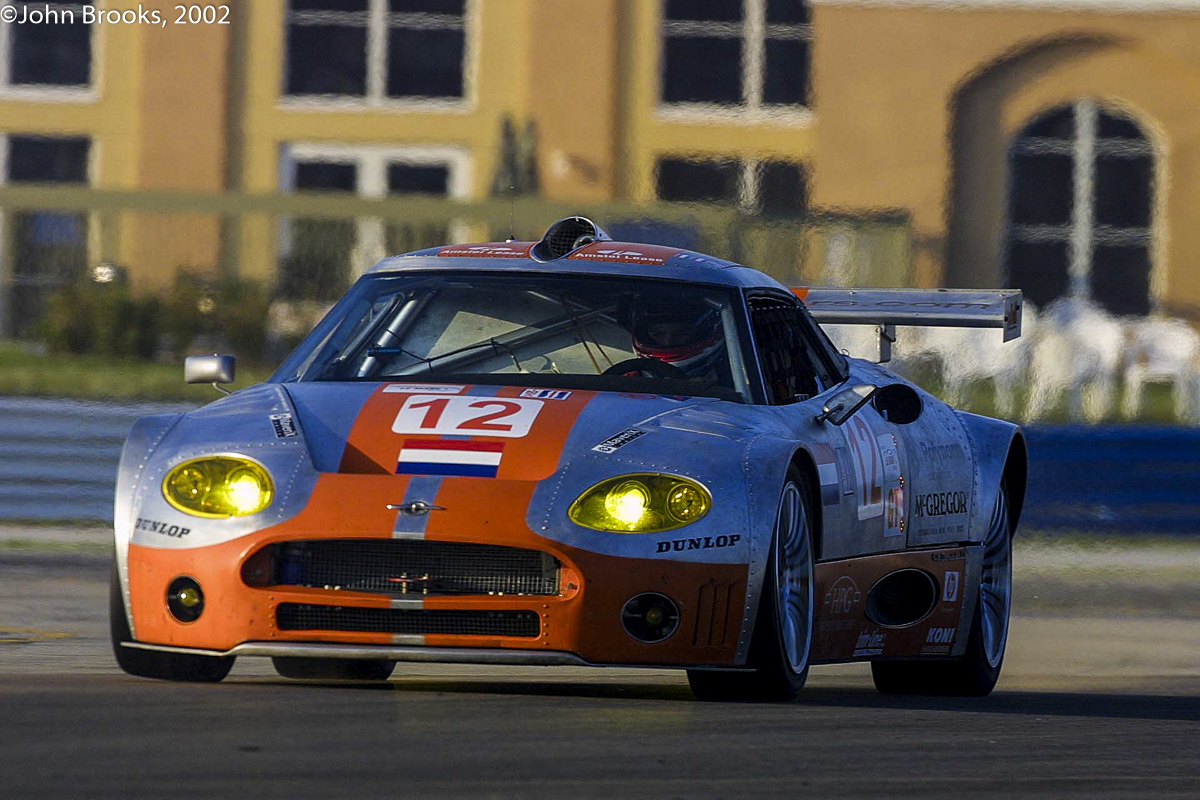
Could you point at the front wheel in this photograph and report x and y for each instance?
(153, 664)
(779, 651)
(976, 672)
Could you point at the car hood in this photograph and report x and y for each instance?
(561, 440)
(524, 433)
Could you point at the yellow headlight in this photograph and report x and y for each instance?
(219, 486)
(642, 503)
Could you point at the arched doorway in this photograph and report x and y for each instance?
(1080, 208)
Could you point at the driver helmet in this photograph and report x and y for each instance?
(684, 333)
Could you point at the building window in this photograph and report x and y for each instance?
(52, 48)
(775, 189)
(42, 250)
(1080, 209)
(319, 257)
(747, 53)
(376, 49)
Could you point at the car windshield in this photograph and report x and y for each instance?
(528, 329)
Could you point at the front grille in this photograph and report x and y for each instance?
(306, 617)
(415, 567)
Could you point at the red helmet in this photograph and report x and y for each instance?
(684, 333)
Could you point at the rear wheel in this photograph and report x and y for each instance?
(338, 669)
(976, 672)
(150, 663)
(779, 651)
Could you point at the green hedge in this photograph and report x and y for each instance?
(195, 314)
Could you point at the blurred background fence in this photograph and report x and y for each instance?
(58, 458)
(294, 252)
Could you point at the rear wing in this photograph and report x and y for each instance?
(887, 308)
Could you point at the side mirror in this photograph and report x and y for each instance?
(842, 405)
(898, 404)
(209, 369)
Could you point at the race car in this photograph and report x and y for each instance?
(577, 451)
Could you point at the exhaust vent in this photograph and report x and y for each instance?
(566, 236)
(901, 598)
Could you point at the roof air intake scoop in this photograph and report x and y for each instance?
(566, 236)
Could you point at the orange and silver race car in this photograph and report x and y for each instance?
(577, 451)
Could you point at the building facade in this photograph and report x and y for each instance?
(1047, 145)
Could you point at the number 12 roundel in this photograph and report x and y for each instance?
(439, 415)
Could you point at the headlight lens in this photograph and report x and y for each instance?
(223, 486)
(642, 503)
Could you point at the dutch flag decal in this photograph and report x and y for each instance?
(440, 457)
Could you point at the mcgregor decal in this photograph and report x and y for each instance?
(163, 528)
(940, 504)
(697, 543)
(505, 417)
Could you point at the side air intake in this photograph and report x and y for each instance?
(566, 236)
(902, 598)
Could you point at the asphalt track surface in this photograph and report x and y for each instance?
(1095, 704)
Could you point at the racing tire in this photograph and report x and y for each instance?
(783, 629)
(975, 673)
(153, 664)
(336, 669)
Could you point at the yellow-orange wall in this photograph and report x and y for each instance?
(899, 88)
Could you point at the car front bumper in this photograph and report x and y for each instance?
(581, 622)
